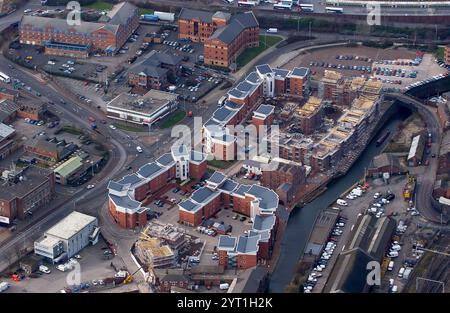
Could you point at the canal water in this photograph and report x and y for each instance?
(302, 220)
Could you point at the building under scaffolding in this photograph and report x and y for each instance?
(153, 252)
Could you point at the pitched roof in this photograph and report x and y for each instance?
(247, 244)
(69, 166)
(217, 178)
(299, 71)
(149, 169)
(268, 198)
(189, 14)
(237, 25)
(203, 195)
(119, 14)
(226, 242)
(262, 222)
(130, 179)
(265, 109)
(125, 202)
(165, 159)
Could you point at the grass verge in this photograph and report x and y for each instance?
(265, 42)
(173, 119)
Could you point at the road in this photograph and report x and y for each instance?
(426, 176)
(319, 7)
(77, 115)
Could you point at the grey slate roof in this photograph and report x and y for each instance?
(236, 93)
(265, 109)
(247, 244)
(279, 72)
(149, 169)
(242, 189)
(268, 198)
(264, 69)
(130, 179)
(246, 87)
(120, 13)
(217, 178)
(238, 24)
(223, 114)
(229, 185)
(166, 159)
(253, 78)
(264, 222)
(112, 185)
(299, 71)
(190, 206)
(232, 105)
(203, 194)
(226, 241)
(150, 70)
(189, 14)
(125, 202)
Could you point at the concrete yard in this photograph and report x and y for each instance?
(92, 266)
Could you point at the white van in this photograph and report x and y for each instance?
(390, 266)
(401, 272)
(272, 30)
(341, 202)
(224, 286)
(407, 272)
(394, 289)
(139, 149)
(222, 100)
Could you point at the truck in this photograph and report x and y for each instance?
(165, 16)
(3, 286)
(149, 18)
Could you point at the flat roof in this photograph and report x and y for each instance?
(70, 225)
(32, 177)
(148, 104)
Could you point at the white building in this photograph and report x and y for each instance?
(68, 237)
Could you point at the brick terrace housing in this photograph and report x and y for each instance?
(108, 34)
(126, 195)
(224, 36)
(25, 190)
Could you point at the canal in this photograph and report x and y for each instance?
(302, 220)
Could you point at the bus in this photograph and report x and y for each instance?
(306, 7)
(283, 5)
(247, 4)
(334, 10)
(5, 78)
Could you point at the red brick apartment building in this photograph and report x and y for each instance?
(244, 98)
(447, 54)
(224, 36)
(126, 195)
(108, 34)
(25, 191)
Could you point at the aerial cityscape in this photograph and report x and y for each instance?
(224, 147)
